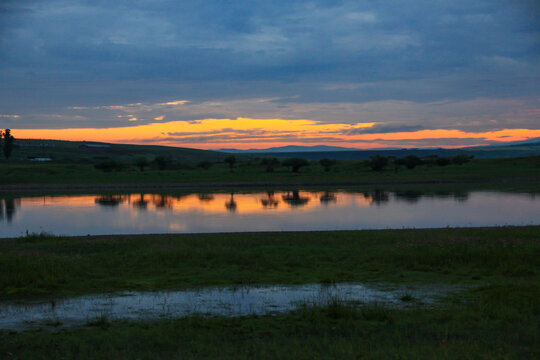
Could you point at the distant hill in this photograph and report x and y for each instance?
(501, 151)
(82, 151)
(290, 148)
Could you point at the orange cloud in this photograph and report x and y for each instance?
(245, 133)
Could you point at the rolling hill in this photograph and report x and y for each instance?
(80, 151)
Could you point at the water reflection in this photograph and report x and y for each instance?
(141, 203)
(110, 200)
(377, 197)
(231, 204)
(294, 198)
(327, 198)
(270, 201)
(8, 208)
(206, 197)
(270, 210)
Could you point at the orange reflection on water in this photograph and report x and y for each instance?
(220, 203)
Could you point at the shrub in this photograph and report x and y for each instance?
(461, 159)
(270, 163)
(231, 160)
(205, 165)
(327, 163)
(377, 162)
(443, 161)
(109, 165)
(162, 162)
(141, 163)
(295, 163)
(412, 161)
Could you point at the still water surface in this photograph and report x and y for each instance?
(222, 301)
(262, 211)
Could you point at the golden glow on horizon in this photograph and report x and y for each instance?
(244, 133)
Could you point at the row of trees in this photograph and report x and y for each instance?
(7, 142)
(294, 164)
(376, 163)
(379, 163)
(165, 162)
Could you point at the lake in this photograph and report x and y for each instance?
(144, 213)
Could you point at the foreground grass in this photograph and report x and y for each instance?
(499, 318)
(39, 266)
(499, 322)
(478, 170)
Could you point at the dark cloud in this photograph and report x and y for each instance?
(57, 54)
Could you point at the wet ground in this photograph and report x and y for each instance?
(209, 301)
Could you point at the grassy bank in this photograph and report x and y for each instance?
(49, 266)
(496, 322)
(498, 318)
(480, 170)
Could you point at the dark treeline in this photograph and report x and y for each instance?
(376, 163)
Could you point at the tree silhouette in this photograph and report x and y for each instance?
(377, 162)
(327, 164)
(411, 161)
(141, 163)
(162, 162)
(295, 163)
(270, 163)
(231, 159)
(8, 143)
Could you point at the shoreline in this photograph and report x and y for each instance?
(248, 184)
(267, 232)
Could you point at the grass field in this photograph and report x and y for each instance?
(47, 266)
(480, 170)
(498, 318)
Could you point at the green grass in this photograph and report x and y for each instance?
(481, 170)
(498, 322)
(48, 266)
(498, 318)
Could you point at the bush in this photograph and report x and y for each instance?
(443, 161)
(109, 165)
(461, 159)
(377, 162)
(412, 161)
(327, 163)
(141, 163)
(162, 162)
(205, 165)
(295, 163)
(231, 160)
(270, 163)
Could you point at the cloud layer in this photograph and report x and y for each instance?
(403, 65)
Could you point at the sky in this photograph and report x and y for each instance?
(256, 74)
